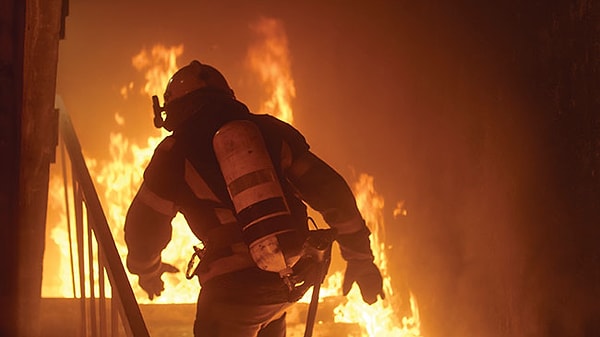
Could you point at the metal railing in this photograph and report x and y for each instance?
(100, 315)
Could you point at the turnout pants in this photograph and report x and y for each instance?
(248, 303)
(218, 319)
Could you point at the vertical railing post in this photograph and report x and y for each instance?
(78, 207)
(114, 315)
(102, 295)
(131, 315)
(92, 283)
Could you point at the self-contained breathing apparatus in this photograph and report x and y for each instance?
(257, 196)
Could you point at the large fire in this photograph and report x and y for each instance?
(118, 179)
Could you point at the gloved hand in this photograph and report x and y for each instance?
(152, 283)
(366, 274)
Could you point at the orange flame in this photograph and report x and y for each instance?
(270, 59)
(380, 318)
(158, 66)
(121, 177)
(116, 181)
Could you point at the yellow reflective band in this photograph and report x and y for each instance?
(155, 202)
(250, 180)
(197, 183)
(225, 216)
(348, 227)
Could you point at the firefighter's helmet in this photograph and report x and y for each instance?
(183, 89)
(192, 77)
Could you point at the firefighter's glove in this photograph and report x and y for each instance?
(152, 283)
(366, 274)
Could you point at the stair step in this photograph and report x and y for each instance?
(61, 317)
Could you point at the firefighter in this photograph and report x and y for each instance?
(242, 181)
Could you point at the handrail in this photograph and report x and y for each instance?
(131, 315)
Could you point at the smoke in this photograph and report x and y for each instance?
(505, 196)
(481, 116)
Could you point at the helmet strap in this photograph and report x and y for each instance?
(158, 110)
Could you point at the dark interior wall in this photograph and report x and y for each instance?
(39, 128)
(29, 136)
(503, 235)
(564, 259)
(12, 18)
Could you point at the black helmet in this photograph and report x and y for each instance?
(186, 81)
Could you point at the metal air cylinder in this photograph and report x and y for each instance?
(256, 193)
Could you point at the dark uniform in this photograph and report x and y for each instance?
(238, 298)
